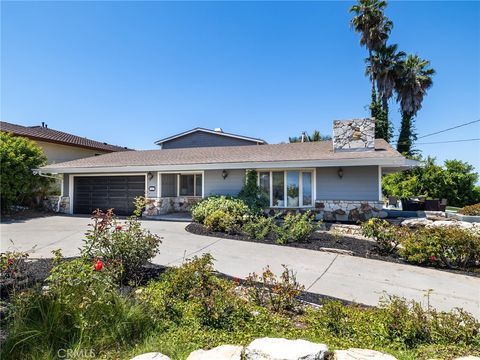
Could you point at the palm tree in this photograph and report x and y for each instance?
(384, 68)
(415, 78)
(371, 23)
(374, 28)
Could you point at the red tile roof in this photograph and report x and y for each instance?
(59, 137)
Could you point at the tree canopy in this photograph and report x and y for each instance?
(18, 157)
(455, 181)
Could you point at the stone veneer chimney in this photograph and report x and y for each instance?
(354, 135)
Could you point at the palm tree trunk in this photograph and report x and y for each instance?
(405, 138)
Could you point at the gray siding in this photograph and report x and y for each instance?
(216, 185)
(357, 183)
(152, 182)
(203, 139)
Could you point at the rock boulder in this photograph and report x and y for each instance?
(283, 349)
(361, 354)
(224, 352)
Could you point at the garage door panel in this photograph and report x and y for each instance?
(105, 192)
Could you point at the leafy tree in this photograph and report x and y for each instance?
(251, 193)
(414, 79)
(18, 157)
(316, 136)
(455, 181)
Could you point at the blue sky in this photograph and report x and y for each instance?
(131, 73)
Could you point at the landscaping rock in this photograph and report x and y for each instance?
(151, 356)
(224, 352)
(447, 223)
(283, 349)
(416, 222)
(468, 358)
(361, 354)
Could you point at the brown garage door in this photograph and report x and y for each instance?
(105, 192)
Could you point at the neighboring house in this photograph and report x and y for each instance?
(59, 146)
(339, 179)
(200, 137)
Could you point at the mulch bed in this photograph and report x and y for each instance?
(323, 239)
(24, 215)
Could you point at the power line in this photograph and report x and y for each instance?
(448, 141)
(452, 128)
(439, 132)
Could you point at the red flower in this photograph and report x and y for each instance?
(236, 280)
(98, 265)
(118, 227)
(10, 261)
(433, 258)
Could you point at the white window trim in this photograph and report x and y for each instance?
(178, 173)
(313, 171)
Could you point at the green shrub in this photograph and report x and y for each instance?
(235, 207)
(296, 228)
(11, 264)
(193, 292)
(18, 157)
(220, 220)
(259, 227)
(387, 236)
(473, 210)
(125, 245)
(81, 308)
(252, 195)
(442, 246)
(278, 294)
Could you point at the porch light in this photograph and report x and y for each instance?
(340, 173)
(150, 176)
(224, 174)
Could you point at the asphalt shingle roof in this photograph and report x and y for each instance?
(55, 136)
(322, 150)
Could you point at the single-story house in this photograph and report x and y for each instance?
(60, 146)
(339, 179)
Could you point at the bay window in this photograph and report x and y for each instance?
(290, 188)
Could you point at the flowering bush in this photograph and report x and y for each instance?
(11, 264)
(124, 245)
(386, 235)
(442, 246)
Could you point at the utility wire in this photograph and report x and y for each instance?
(448, 141)
(455, 127)
(442, 131)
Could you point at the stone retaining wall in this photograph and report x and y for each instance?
(348, 210)
(166, 205)
(341, 210)
(50, 203)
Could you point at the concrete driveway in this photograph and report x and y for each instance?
(346, 277)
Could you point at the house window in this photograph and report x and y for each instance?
(173, 185)
(278, 188)
(169, 185)
(293, 188)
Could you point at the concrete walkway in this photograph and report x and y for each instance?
(346, 277)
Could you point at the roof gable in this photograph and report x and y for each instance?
(208, 131)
